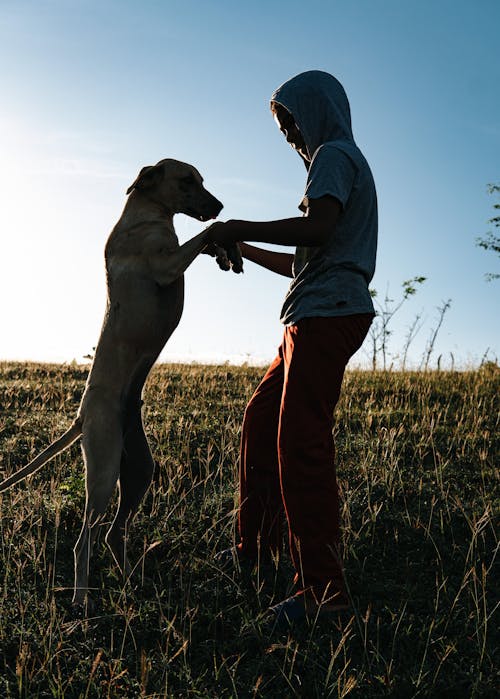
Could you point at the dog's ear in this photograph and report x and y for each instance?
(148, 177)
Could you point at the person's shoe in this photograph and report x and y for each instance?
(299, 608)
(289, 612)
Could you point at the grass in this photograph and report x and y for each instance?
(418, 472)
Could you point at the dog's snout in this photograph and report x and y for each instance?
(218, 206)
(213, 207)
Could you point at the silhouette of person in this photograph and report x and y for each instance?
(287, 449)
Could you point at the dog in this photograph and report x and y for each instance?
(145, 283)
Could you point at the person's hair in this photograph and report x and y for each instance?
(276, 108)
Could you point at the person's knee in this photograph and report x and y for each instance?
(251, 413)
(305, 454)
(258, 414)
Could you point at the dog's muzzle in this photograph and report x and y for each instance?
(209, 209)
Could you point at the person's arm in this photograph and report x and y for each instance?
(310, 230)
(279, 262)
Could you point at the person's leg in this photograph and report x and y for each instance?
(316, 351)
(261, 507)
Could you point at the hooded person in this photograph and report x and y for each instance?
(287, 464)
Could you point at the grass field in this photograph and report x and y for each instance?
(418, 458)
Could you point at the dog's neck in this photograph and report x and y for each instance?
(141, 209)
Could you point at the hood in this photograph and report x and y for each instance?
(319, 106)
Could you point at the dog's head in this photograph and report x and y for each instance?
(178, 187)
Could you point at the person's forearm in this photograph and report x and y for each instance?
(279, 262)
(301, 230)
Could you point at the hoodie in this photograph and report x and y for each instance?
(331, 279)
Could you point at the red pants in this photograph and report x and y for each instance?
(287, 451)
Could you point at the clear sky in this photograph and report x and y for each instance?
(92, 90)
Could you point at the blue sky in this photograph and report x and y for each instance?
(92, 91)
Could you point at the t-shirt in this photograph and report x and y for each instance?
(332, 279)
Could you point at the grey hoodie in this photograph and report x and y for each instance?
(332, 279)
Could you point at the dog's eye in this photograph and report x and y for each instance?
(188, 180)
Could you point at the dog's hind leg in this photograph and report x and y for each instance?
(136, 473)
(102, 444)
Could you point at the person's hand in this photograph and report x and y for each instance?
(224, 234)
(221, 245)
(212, 248)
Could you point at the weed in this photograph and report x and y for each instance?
(418, 474)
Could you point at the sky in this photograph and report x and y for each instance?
(92, 90)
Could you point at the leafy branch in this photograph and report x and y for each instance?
(380, 331)
(491, 241)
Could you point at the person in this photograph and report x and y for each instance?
(287, 449)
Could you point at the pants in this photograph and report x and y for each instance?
(287, 451)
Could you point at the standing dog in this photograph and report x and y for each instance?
(144, 266)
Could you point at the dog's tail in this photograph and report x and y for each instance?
(55, 448)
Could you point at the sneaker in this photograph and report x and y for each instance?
(299, 608)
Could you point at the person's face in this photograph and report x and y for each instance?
(289, 128)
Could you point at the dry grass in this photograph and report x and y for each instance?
(418, 469)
